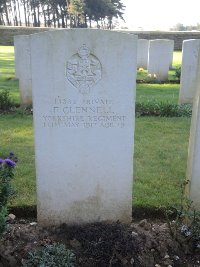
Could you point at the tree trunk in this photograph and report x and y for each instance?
(35, 24)
(28, 14)
(54, 20)
(2, 22)
(44, 15)
(15, 13)
(27, 9)
(48, 14)
(66, 20)
(63, 20)
(85, 17)
(25, 14)
(7, 16)
(38, 14)
(19, 13)
(58, 16)
(11, 12)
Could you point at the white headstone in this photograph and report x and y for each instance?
(159, 58)
(83, 103)
(190, 52)
(193, 167)
(171, 53)
(23, 68)
(142, 53)
(17, 53)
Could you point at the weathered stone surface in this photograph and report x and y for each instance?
(83, 102)
(193, 166)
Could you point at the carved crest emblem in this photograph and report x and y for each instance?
(83, 70)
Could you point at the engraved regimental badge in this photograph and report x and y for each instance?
(83, 70)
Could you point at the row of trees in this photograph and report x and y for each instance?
(60, 13)
(181, 27)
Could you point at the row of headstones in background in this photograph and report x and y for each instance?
(83, 85)
(190, 51)
(156, 56)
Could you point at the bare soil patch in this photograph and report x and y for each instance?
(145, 243)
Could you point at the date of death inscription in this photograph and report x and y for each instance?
(89, 113)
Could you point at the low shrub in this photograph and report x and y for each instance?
(177, 74)
(186, 227)
(6, 103)
(55, 255)
(163, 109)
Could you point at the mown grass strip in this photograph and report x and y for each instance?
(159, 160)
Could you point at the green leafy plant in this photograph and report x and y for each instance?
(177, 73)
(186, 227)
(6, 191)
(163, 109)
(6, 103)
(3, 219)
(55, 255)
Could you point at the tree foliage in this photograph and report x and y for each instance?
(61, 13)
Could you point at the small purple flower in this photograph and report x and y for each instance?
(1, 161)
(9, 162)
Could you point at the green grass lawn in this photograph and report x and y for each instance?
(160, 144)
(177, 59)
(159, 160)
(7, 72)
(157, 93)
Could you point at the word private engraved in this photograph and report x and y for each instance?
(83, 70)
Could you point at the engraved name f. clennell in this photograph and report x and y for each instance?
(83, 70)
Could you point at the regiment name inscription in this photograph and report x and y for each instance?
(87, 113)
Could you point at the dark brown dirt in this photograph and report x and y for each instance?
(145, 243)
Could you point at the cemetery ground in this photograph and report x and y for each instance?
(160, 157)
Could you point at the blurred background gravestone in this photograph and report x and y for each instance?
(23, 68)
(160, 58)
(142, 53)
(188, 70)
